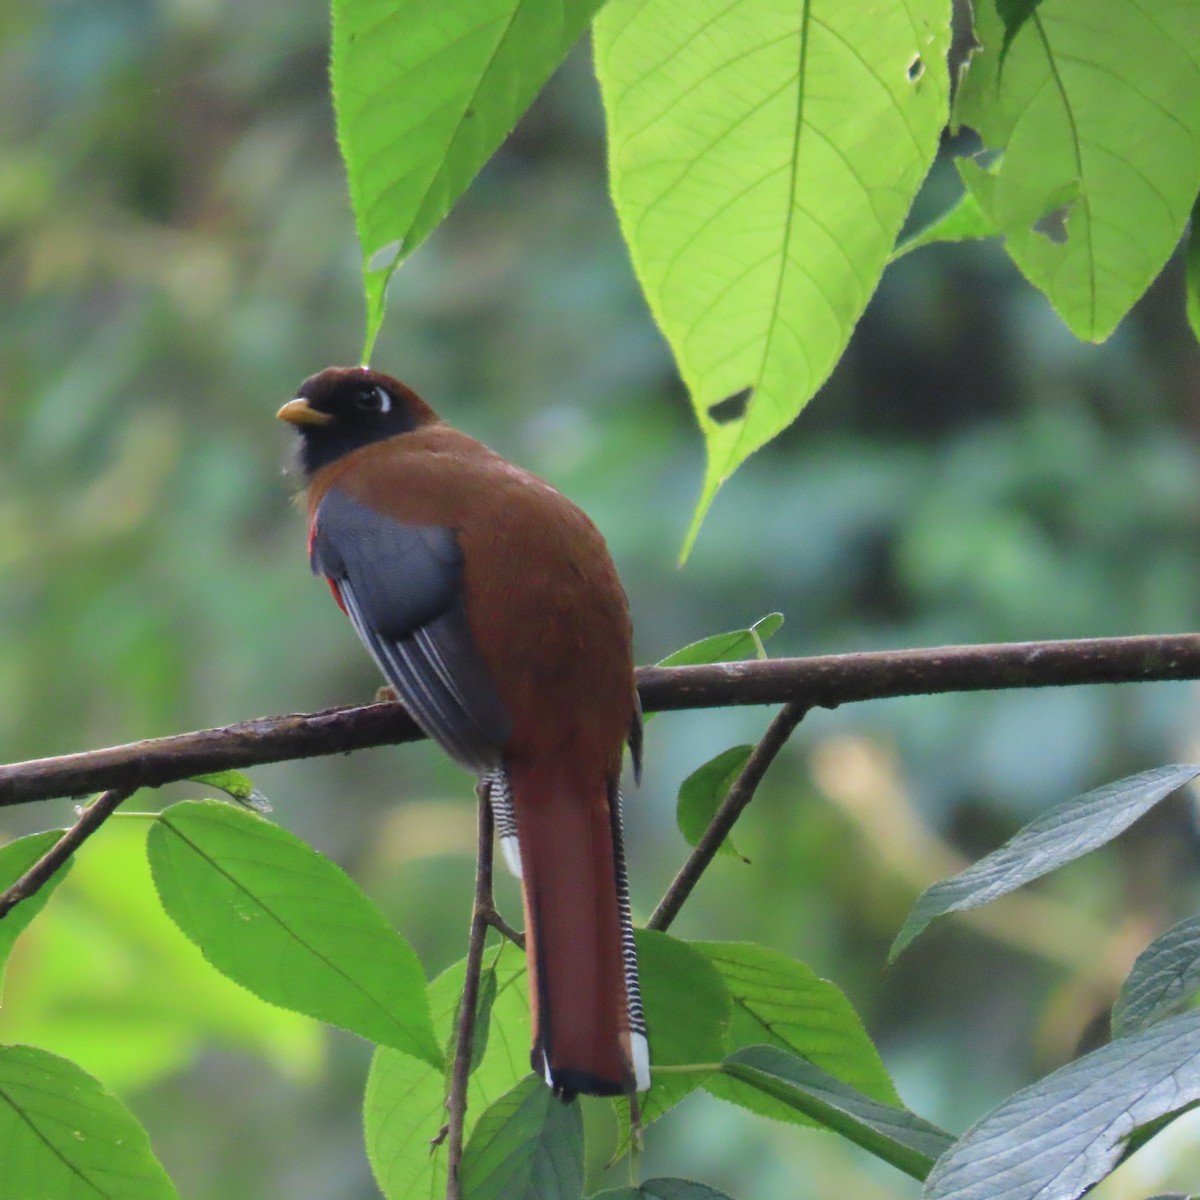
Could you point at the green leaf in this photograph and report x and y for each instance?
(1165, 976)
(1192, 271)
(482, 1024)
(527, 1146)
(895, 1135)
(763, 158)
(727, 647)
(783, 1003)
(1097, 111)
(404, 1106)
(687, 1020)
(701, 793)
(1055, 1139)
(423, 94)
(15, 859)
(239, 785)
(1059, 836)
(62, 1134)
(122, 993)
(664, 1189)
(286, 923)
(964, 221)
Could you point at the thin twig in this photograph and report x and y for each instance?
(456, 1102)
(819, 682)
(740, 794)
(497, 922)
(89, 820)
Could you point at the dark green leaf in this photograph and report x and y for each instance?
(423, 94)
(701, 793)
(895, 1135)
(15, 859)
(285, 922)
(63, 1135)
(527, 1146)
(664, 1189)
(1059, 836)
(404, 1106)
(1053, 1140)
(783, 1003)
(239, 785)
(1014, 14)
(1164, 977)
(963, 222)
(727, 647)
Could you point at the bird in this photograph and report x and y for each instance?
(492, 607)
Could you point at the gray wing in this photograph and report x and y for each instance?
(401, 586)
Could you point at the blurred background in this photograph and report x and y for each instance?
(177, 253)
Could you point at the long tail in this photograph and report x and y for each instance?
(564, 841)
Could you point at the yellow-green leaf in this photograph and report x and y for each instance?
(763, 159)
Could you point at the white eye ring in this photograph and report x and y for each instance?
(376, 400)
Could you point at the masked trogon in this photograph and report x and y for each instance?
(491, 605)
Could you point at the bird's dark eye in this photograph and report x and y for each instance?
(374, 400)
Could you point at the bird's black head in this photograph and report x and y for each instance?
(342, 408)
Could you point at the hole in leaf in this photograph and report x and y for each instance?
(964, 142)
(732, 408)
(916, 69)
(385, 257)
(1053, 224)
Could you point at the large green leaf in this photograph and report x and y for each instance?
(1059, 836)
(423, 94)
(527, 1146)
(893, 1134)
(15, 859)
(404, 1106)
(1053, 1140)
(119, 990)
(780, 1002)
(763, 158)
(1097, 110)
(63, 1135)
(1165, 976)
(285, 922)
(687, 1017)
(664, 1189)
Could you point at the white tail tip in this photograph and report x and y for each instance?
(639, 1051)
(512, 854)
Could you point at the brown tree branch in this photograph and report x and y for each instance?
(90, 819)
(740, 793)
(456, 1102)
(823, 682)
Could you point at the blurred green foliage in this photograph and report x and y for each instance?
(177, 252)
